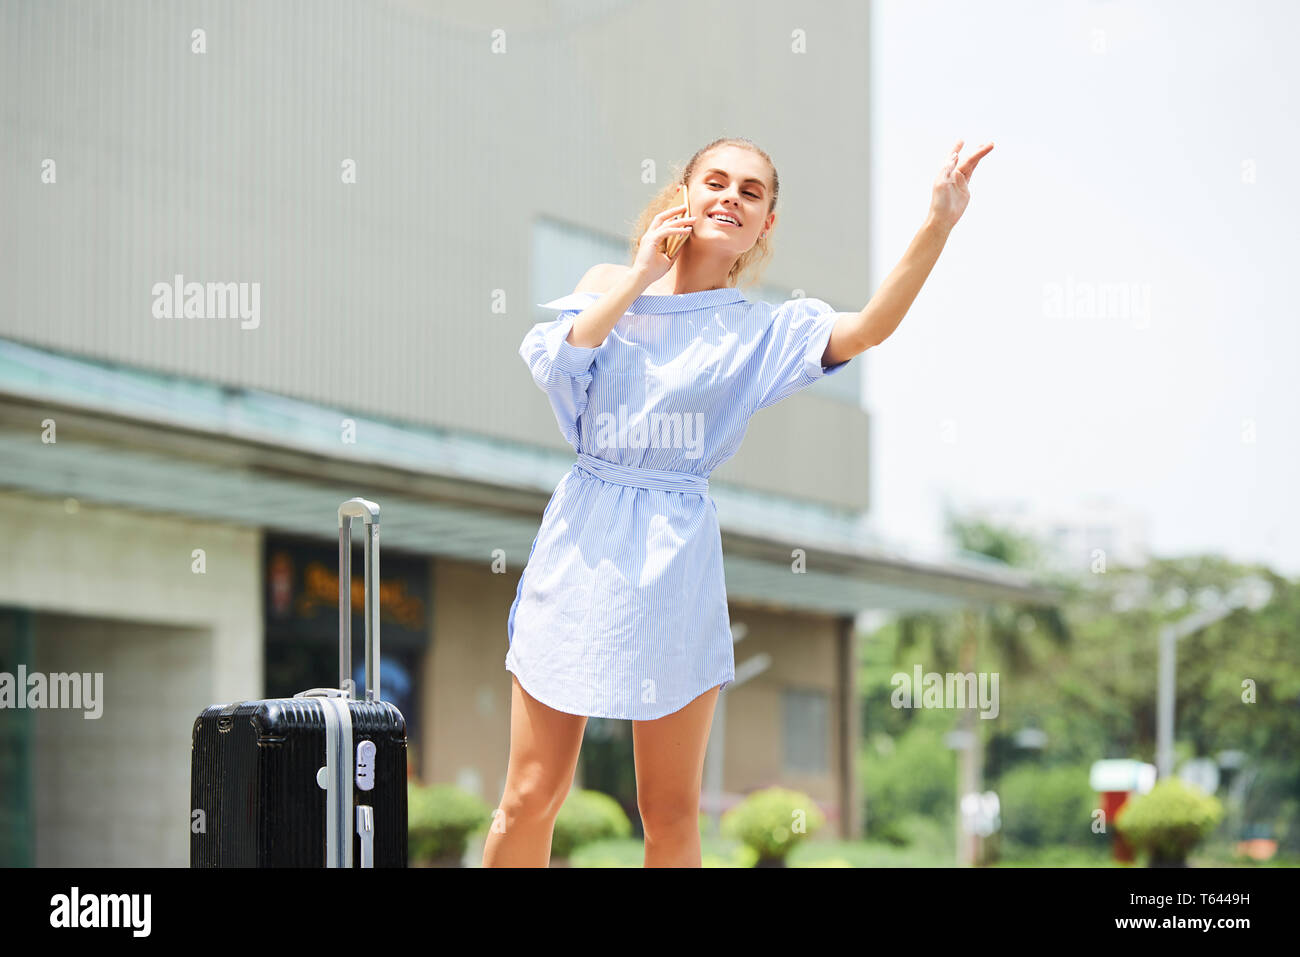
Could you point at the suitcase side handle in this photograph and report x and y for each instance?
(369, 513)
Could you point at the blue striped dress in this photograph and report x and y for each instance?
(621, 608)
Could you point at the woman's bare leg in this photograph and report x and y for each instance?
(669, 756)
(544, 747)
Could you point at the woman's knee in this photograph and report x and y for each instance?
(662, 810)
(535, 797)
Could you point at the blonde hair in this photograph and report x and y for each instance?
(753, 260)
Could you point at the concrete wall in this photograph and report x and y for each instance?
(111, 563)
(804, 652)
(466, 686)
(113, 592)
(115, 791)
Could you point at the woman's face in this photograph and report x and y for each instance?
(736, 182)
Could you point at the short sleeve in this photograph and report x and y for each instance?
(791, 349)
(561, 369)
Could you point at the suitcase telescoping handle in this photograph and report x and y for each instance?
(369, 513)
(336, 777)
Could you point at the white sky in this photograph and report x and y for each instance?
(1120, 167)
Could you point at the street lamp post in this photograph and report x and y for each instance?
(1253, 593)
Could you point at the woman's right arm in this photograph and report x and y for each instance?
(593, 324)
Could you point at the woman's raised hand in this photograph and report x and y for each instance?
(650, 260)
(952, 187)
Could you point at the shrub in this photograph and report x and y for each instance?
(1169, 820)
(587, 816)
(929, 836)
(918, 777)
(1042, 807)
(766, 822)
(439, 819)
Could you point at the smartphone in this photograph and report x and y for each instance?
(674, 242)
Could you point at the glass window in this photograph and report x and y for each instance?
(805, 731)
(302, 624)
(562, 254)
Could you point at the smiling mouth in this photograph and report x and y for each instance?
(722, 222)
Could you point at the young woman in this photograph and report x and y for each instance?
(653, 371)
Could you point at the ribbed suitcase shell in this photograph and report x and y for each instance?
(254, 767)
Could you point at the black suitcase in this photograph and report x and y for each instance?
(316, 780)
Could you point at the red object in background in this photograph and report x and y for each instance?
(281, 575)
(1111, 802)
(1258, 849)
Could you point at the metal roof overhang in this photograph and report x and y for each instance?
(172, 445)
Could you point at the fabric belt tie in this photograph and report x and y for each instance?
(667, 480)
